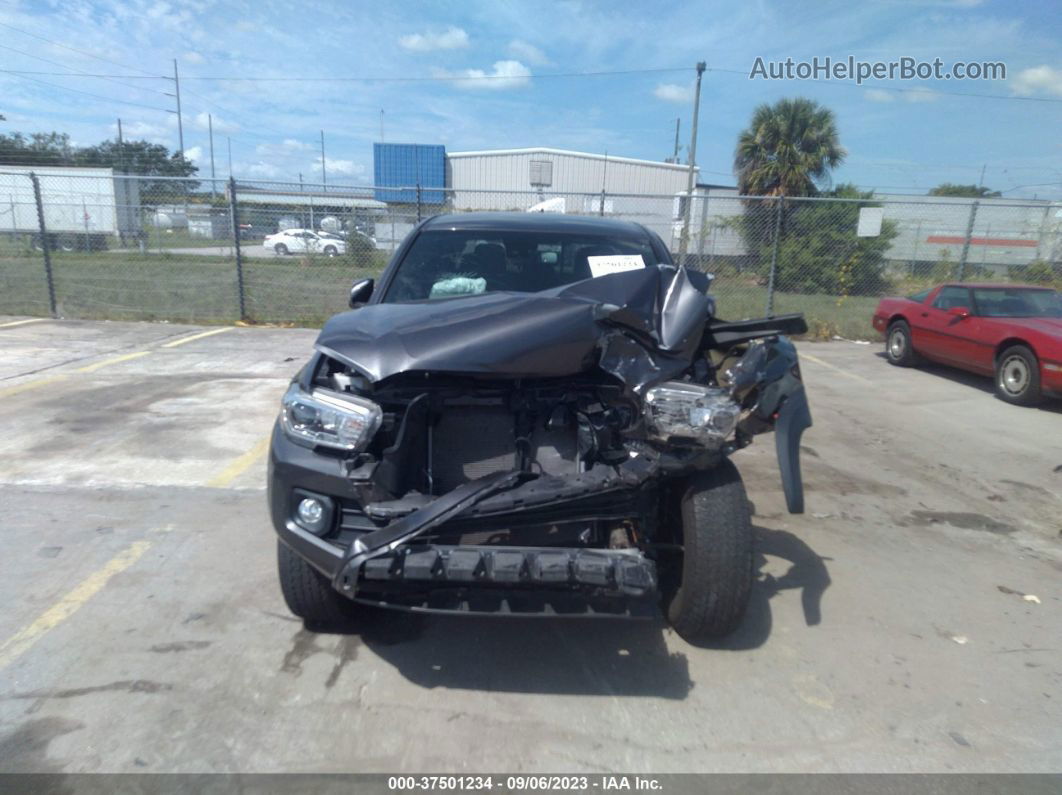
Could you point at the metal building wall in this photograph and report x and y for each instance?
(573, 173)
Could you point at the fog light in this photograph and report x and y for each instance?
(313, 514)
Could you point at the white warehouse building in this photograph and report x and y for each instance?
(528, 176)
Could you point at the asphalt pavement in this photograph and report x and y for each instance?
(910, 621)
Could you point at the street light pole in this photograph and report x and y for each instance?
(685, 239)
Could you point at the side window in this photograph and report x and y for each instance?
(951, 297)
(920, 297)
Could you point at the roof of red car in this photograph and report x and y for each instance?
(997, 285)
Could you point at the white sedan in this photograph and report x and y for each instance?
(297, 241)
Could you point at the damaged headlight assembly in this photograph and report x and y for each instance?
(321, 418)
(677, 410)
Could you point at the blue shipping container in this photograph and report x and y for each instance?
(406, 166)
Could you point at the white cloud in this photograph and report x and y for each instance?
(345, 168)
(528, 52)
(194, 153)
(142, 130)
(670, 92)
(287, 147)
(453, 38)
(1042, 79)
(877, 95)
(193, 57)
(202, 121)
(260, 169)
(503, 74)
(920, 95)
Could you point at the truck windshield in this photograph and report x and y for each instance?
(447, 263)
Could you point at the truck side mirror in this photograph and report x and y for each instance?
(360, 292)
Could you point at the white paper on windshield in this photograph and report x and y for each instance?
(614, 263)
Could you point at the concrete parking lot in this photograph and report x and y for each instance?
(911, 620)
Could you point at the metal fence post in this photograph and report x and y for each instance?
(418, 202)
(235, 218)
(774, 256)
(966, 242)
(44, 243)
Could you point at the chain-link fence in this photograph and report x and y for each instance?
(88, 243)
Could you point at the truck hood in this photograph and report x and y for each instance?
(654, 314)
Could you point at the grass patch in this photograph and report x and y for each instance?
(182, 288)
(187, 288)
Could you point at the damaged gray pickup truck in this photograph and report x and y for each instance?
(531, 414)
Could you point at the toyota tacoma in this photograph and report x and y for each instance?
(531, 414)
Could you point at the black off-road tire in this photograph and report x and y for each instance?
(717, 559)
(1018, 376)
(281, 249)
(898, 348)
(309, 594)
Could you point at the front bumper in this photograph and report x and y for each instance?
(389, 566)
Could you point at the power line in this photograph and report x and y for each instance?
(77, 73)
(74, 49)
(434, 78)
(87, 93)
(923, 91)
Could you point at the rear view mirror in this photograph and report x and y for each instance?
(360, 292)
(959, 312)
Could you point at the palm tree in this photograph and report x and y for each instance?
(787, 149)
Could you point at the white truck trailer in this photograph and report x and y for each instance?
(84, 208)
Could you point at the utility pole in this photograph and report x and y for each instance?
(324, 178)
(177, 94)
(604, 174)
(381, 125)
(228, 141)
(675, 157)
(981, 181)
(685, 239)
(210, 127)
(121, 148)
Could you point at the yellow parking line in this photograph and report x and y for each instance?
(107, 362)
(240, 465)
(200, 336)
(23, 322)
(14, 390)
(69, 604)
(845, 373)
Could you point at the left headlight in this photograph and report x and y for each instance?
(344, 423)
(677, 411)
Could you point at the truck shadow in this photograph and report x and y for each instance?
(569, 656)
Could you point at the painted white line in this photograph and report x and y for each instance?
(199, 336)
(24, 322)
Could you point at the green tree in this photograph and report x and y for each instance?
(787, 149)
(36, 149)
(147, 159)
(964, 191)
(819, 251)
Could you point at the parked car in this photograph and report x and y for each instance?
(1011, 332)
(298, 241)
(531, 413)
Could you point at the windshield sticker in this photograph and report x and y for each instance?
(615, 263)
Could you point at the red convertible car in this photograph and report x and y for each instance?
(1011, 332)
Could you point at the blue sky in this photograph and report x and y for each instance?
(897, 141)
